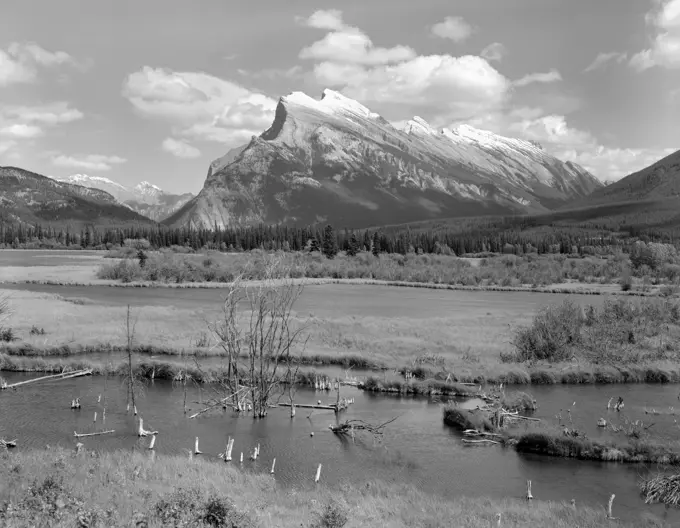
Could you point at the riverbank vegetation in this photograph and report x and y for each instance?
(58, 488)
(620, 333)
(637, 272)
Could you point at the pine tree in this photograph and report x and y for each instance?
(330, 242)
(376, 244)
(353, 246)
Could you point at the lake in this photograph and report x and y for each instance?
(417, 448)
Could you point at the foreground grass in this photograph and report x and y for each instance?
(61, 489)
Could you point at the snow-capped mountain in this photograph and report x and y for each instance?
(334, 160)
(36, 199)
(145, 198)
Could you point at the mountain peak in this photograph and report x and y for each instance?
(331, 102)
(146, 185)
(418, 125)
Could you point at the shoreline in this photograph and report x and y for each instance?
(168, 367)
(327, 280)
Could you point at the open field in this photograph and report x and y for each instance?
(464, 333)
(58, 488)
(386, 327)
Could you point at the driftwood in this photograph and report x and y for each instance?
(7, 443)
(483, 441)
(350, 426)
(81, 435)
(63, 375)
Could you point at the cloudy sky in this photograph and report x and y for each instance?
(156, 89)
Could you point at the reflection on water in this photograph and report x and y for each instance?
(418, 448)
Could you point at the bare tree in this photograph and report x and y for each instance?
(131, 379)
(260, 338)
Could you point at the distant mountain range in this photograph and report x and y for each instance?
(144, 198)
(333, 160)
(35, 199)
(659, 181)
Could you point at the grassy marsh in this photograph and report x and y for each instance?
(58, 488)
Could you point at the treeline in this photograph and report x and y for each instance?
(478, 238)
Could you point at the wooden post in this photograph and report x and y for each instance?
(135, 410)
(95, 417)
(609, 507)
(318, 474)
(529, 495)
(292, 410)
(258, 449)
(230, 446)
(241, 457)
(153, 442)
(273, 464)
(196, 450)
(140, 431)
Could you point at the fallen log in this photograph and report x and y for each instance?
(81, 435)
(310, 406)
(484, 441)
(63, 375)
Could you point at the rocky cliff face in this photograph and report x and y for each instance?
(335, 161)
(144, 198)
(29, 197)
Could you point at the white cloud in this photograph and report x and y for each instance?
(21, 131)
(27, 122)
(603, 58)
(180, 149)
(494, 52)
(55, 113)
(198, 105)
(93, 162)
(432, 86)
(453, 28)
(347, 44)
(531, 78)
(330, 19)
(664, 50)
(19, 63)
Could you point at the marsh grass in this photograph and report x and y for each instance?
(557, 444)
(493, 271)
(463, 419)
(60, 489)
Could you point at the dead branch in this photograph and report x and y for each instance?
(81, 435)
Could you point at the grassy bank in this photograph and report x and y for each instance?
(493, 271)
(557, 444)
(60, 489)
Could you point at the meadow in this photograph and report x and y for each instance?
(59, 488)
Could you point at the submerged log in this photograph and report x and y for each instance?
(63, 375)
(81, 435)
